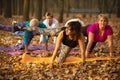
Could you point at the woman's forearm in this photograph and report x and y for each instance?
(88, 49)
(82, 48)
(54, 56)
(111, 50)
(83, 56)
(110, 42)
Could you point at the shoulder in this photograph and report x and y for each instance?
(81, 39)
(44, 21)
(108, 27)
(27, 23)
(55, 20)
(61, 34)
(93, 27)
(42, 25)
(109, 30)
(81, 36)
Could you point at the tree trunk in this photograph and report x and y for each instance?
(1, 6)
(21, 2)
(38, 9)
(67, 8)
(7, 8)
(61, 10)
(31, 8)
(26, 10)
(118, 9)
(18, 7)
(44, 7)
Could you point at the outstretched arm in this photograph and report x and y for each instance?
(110, 44)
(89, 44)
(82, 47)
(57, 46)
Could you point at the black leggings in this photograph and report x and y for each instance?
(84, 31)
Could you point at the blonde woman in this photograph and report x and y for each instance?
(29, 35)
(99, 32)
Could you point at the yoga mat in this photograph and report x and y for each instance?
(71, 59)
(21, 47)
(15, 53)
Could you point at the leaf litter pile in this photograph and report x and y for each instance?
(12, 69)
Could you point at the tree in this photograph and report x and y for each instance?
(19, 7)
(26, 10)
(38, 9)
(1, 6)
(13, 7)
(61, 10)
(31, 12)
(7, 8)
(118, 9)
(44, 8)
(67, 3)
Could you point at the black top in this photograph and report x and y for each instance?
(68, 42)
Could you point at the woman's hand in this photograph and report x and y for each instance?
(57, 46)
(52, 60)
(82, 47)
(111, 55)
(87, 54)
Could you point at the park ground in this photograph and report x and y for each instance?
(12, 69)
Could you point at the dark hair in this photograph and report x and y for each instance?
(75, 27)
(48, 14)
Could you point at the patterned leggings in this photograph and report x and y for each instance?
(64, 51)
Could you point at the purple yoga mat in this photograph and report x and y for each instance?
(37, 52)
(21, 47)
(15, 53)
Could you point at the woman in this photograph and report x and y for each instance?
(50, 23)
(68, 39)
(29, 35)
(99, 32)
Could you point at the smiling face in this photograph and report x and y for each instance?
(103, 21)
(49, 19)
(68, 30)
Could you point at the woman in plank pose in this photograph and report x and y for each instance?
(68, 38)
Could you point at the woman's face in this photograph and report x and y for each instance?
(102, 23)
(49, 19)
(68, 30)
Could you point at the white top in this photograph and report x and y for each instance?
(54, 23)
